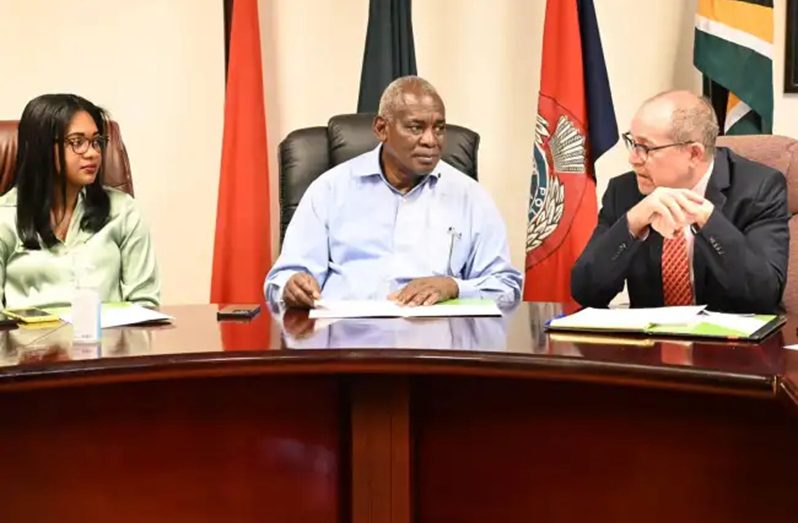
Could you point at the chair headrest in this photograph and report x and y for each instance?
(116, 167)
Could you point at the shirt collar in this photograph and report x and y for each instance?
(368, 164)
(701, 186)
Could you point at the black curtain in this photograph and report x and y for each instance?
(389, 52)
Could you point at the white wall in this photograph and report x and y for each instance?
(785, 112)
(158, 66)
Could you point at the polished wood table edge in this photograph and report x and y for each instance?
(382, 361)
(788, 390)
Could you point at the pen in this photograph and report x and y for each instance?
(452, 235)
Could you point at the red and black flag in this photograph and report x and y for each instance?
(575, 125)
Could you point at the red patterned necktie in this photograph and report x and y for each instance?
(676, 272)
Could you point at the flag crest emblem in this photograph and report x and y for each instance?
(575, 125)
(559, 151)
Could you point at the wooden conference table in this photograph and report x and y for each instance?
(450, 420)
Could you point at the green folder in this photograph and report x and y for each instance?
(748, 328)
(770, 322)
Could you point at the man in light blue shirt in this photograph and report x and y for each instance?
(396, 222)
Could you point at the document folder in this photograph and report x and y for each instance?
(684, 322)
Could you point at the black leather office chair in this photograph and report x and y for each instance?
(306, 153)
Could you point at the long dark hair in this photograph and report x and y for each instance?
(40, 170)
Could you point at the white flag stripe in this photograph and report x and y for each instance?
(735, 114)
(734, 36)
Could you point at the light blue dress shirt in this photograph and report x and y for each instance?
(363, 239)
(455, 333)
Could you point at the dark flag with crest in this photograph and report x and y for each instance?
(575, 125)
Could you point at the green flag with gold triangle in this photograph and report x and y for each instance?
(734, 50)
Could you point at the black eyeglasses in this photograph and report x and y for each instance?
(80, 144)
(642, 150)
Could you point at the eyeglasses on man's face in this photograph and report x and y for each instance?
(80, 144)
(642, 150)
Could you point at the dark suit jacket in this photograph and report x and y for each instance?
(739, 256)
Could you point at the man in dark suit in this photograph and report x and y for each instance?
(690, 223)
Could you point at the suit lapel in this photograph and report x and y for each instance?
(719, 179)
(716, 189)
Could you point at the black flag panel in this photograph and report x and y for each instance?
(389, 52)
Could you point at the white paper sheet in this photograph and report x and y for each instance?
(745, 323)
(389, 309)
(116, 315)
(630, 319)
